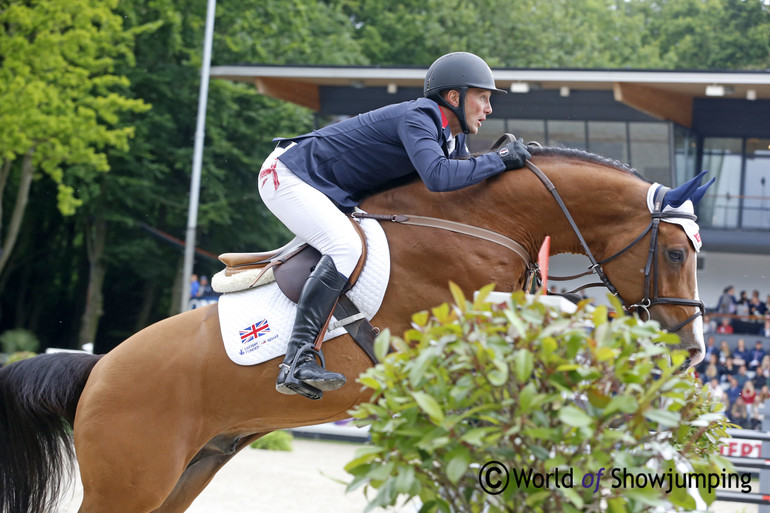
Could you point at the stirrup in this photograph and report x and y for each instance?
(292, 385)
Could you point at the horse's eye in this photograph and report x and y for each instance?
(676, 256)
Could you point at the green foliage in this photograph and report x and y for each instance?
(12, 341)
(527, 385)
(274, 441)
(20, 355)
(59, 99)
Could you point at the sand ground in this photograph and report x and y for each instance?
(301, 481)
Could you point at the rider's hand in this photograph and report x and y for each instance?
(514, 154)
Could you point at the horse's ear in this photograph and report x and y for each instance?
(700, 191)
(688, 190)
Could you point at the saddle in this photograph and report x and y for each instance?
(289, 267)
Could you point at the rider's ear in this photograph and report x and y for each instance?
(452, 96)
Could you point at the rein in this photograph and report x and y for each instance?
(650, 268)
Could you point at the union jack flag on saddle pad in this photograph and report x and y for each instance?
(255, 331)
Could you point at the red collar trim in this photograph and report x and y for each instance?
(444, 120)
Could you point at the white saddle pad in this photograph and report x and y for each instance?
(257, 323)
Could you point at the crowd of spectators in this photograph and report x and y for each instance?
(741, 314)
(739, 377)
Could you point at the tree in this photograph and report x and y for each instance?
(59, 100)
(708, 34)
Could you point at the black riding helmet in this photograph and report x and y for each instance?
(458, 70)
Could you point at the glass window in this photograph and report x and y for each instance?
(721, 205)
(650, 151)
(756, 202)
(567, 134)
(490, 131)
(685, 152)
(528, 129)
(608, 139)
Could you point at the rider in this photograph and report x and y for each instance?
(310, 181)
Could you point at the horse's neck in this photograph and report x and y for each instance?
(607, 204)
(604, 202)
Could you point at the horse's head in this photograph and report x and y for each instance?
(669, 290)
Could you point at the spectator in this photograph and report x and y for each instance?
(762, 376)
(725, 327)
(704, 366)
(741, 355)
(726, 302)
(711, 373)
(194, 286)
(742, 376)
(742, 305)
(711, 348)
(756, 306)
(749, 396)
(716, 390)
(733, 391)
(724, 352)
(709, 324)
(204, 289)
(755, 360)
(738, 413)
(766, 331)
(729, 371)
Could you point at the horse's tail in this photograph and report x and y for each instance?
(38, 398)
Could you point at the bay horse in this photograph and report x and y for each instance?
(158, 416)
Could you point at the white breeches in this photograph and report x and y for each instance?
(309, 214)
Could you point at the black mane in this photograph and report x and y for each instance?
(553, 151)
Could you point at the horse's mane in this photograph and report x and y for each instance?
(536, 150)
(555, 151)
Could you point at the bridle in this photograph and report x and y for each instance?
(651, 275)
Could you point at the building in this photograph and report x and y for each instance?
(666, 124)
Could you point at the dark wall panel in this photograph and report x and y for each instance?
(722, 117)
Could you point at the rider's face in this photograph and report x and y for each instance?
(477, 107)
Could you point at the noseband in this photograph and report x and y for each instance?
(651, 278)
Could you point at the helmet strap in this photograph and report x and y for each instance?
(457, 111)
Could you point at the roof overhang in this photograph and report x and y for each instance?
(666, 95)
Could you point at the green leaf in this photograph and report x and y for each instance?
(459, 460)
(430, 406)
(523, 361)
(382, 345)
(457, 295)
(575, 417)
(665, 417)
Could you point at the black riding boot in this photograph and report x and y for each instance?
(299, 372)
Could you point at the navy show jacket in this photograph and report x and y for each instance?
(359, 156)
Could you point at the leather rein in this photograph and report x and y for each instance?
(651, 279)
(651, 267)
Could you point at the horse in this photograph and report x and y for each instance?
(154, 419)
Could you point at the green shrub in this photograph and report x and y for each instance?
(20, 355)
(532, 388)
(274, 441)
(13, 341)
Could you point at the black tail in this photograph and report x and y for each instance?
(38, 398)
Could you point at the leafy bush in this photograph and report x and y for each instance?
(13, 341)
(274, 441)
(20, 355)
(533, 389)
